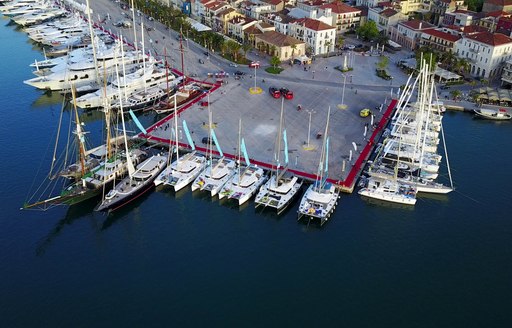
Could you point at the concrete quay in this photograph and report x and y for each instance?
(316, 88)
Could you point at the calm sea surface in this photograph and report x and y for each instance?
(185, 260)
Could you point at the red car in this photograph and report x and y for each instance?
(254, 64)
(274, 92)
(287, 94)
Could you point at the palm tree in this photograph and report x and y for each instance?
(294, 47)
(455, 94)
(339, 41)
(272, 50)
(275, 61)
(246, 47)
(327, 46)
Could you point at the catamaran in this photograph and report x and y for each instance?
(281, 188)
(218, 171)
(247, 179)
(321, 197)
(184, 169)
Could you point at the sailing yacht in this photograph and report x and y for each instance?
(136, 182)
(247, 179)
(321, 197)
(184, 169)
(281, 188)
(218, 170)
(389, 190)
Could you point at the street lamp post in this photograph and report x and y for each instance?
(255, 77)
(309, 125)
(342, 105)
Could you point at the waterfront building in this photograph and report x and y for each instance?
(318, 36)
(385, 17)
(439, 40)
(344, 17)
(487, 53)
(408, 34)
(280, 45)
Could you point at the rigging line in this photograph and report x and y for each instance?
(28, 196)
(468, 197)
(67, 143)
(58, 135)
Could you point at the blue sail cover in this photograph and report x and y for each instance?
(285, 147)
(187, 133)
(214, 137)
(244, 151)
(137, 122)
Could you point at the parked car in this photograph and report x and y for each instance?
(287, 94)
(205, 140)
(201, 61)
(274, 92)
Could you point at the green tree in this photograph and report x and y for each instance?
(383, 62)
(246, 47)
(455, 94)
(475, 5)
(275, 61)
(368, 31)
(339, 41)
(272, 50)
(294, 47)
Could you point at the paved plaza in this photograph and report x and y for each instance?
(316, 87)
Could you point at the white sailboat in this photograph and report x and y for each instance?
(321, 197)
(219, 170)
(184, 169)
(247, 179)
(281, 188)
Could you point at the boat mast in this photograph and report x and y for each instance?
(239, 149)
(323, 155)
(134, 27)
(182, 57)
(92, 40)
(279, 136)
(79, 133)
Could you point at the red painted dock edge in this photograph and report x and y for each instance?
(348, 184)
(345, 185)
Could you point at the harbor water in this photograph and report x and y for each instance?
(186, 260)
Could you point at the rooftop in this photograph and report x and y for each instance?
(492, 39)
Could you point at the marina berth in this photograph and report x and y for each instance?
(182, 171)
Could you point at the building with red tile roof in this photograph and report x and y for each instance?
(318, 36)
(486, 53)
(344, 17)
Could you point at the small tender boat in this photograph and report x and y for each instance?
(491, 114)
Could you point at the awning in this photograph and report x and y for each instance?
(198, 26)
